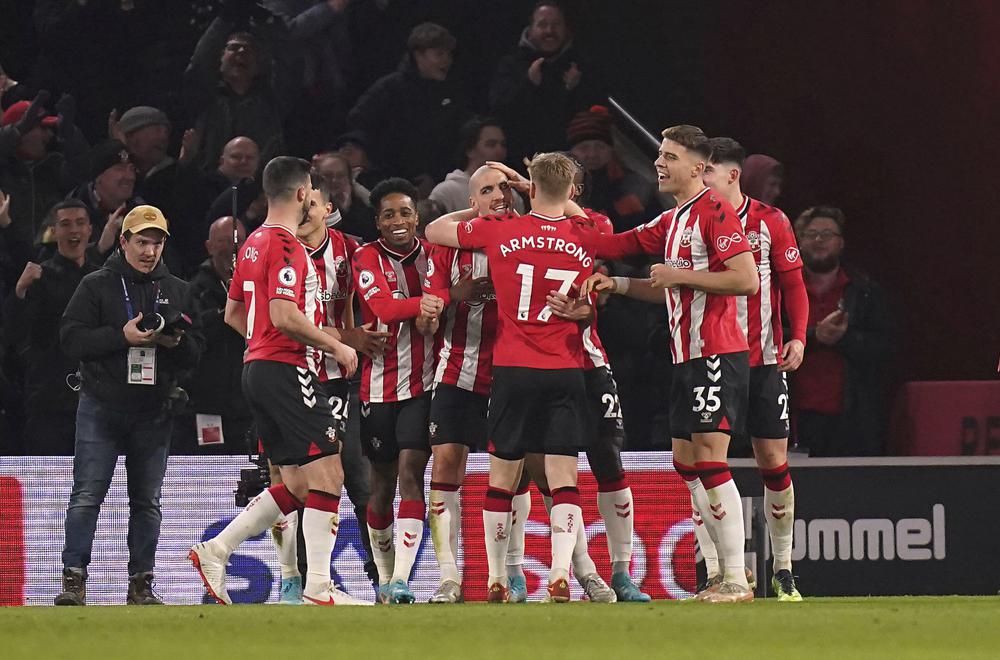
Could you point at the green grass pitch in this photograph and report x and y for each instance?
(946, 627)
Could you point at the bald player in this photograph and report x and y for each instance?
(464, 373)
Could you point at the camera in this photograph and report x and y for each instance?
(168, 321)
(253, 481)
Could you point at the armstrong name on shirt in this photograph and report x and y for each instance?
(549, 244)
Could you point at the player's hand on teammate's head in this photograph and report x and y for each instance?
(597, 282)
(791, 355)
(469, 288)
(517, 182)
(365, 340)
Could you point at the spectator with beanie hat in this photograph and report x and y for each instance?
(129, 376)
(108, 193)
(620, 193)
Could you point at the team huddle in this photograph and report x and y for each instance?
(483, 335)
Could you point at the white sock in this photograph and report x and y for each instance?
(565, 520)
(725, 519)
(445, 516)
(285, 536)
(702, 532)
(497, 532)
(260, 514)
(582, 563)
(409, 534)
(520, 509)
(383, 552)
(320, 523)
(779, 507)
(616, 510)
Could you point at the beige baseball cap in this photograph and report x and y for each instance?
(145, 217)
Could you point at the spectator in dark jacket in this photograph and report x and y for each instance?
(838, 394)
(762, 178)
(129, 381)
(540, 86)
(620, 193)
(357, 218)
(41, 159)
(412, 116)
(31, 323)
(239, 93)
(214, 387)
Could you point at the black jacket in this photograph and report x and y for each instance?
(91, 332)
(215, 386)
(535, 118)
(412, 122)
(32, 325)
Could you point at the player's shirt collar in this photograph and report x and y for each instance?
(399, 256)
(273, 226)
(547, 218)
(315, 252)
(688, 204)
(744, 207)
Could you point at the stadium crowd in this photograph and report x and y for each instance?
(88, 135)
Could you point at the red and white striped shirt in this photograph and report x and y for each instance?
(469, 332)
(772, 241)
(596, 356)
(389, 286)
(332, 260)
(699, 235)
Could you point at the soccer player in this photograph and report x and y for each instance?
(331, 254)
(395, 386)
(707, 263)
(538, 402)
(463, 376)
(772, 241)
(273, 303)
(614, 499)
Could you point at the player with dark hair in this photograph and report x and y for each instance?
(538, 401)
(772, 241)
(707, 264)
(395, 386)
(273, 302)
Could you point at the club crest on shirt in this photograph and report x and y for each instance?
(686, 237)
(340, 265)
(287, 276)
(753, 240)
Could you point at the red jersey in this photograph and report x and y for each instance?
(530, 255)
(332, 260)
(470, 327)
(818, 385)
(772, 241)
(699, 235)
(597, 357)
(389, 286)
(274, 265)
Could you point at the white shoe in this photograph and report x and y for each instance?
(597, 589)
(333, 596)
(212, 570)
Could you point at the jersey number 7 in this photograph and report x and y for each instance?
(527, 273)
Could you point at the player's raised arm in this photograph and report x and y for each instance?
(631, 287)
(444, 230)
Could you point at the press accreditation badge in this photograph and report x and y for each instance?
(142, 366)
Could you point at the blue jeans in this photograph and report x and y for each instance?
(102, 434)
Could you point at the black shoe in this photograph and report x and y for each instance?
(74, 587)
(140, 590)
(372, 571)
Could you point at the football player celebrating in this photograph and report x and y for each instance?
(396, 385)
(772, 241)
(538, 402)
(463, 376)
(707, 263)
(273, 302)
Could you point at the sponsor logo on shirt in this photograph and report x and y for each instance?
(725, 242)
(390, 276)
(371, 292)
(282, 291)
(792, 254)
(547, 228)
(677, 263)
(467, 226)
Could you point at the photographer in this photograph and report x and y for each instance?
(126, 327)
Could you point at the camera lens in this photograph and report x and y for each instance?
(152, 322)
